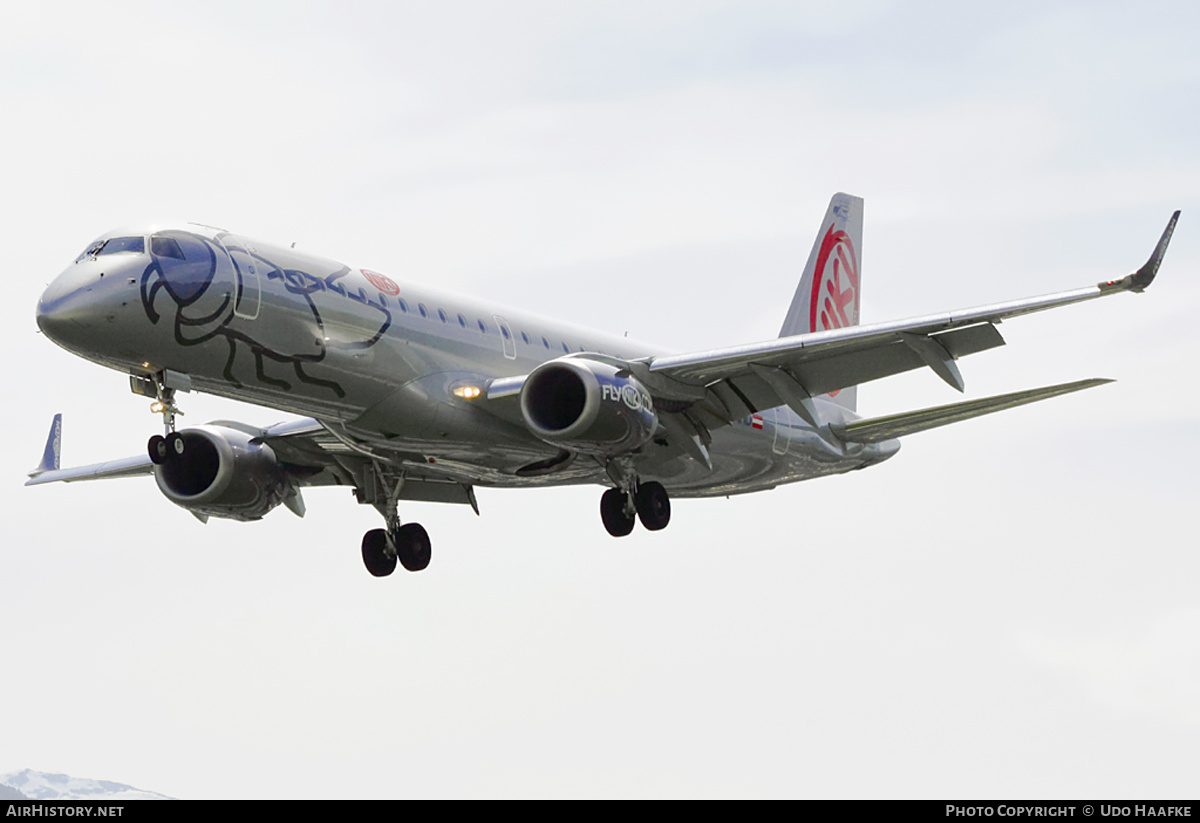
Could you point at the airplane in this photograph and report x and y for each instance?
(409, 394)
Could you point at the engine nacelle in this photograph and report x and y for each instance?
(222, 472)
(587, 406)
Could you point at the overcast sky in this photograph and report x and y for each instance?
(1009, 607)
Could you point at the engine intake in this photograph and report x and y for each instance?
(587, 406)
(221, 472)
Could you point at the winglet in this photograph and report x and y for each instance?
(52, 454)
(1143, 277)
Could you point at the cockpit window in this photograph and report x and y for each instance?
(113, 245)
(116, 245)
(90, 251)
(166, 247)
(186, 261)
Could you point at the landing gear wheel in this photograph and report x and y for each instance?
(612, 512)
(173, 443)
(653, 505)
(378, 555)
(157, 447)
(412, 545)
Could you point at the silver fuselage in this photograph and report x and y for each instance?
(381, 359)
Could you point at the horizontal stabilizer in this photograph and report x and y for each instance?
(897, 425)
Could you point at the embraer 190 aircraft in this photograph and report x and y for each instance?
(411, 394)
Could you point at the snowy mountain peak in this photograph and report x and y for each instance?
(47, 786)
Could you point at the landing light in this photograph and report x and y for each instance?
(468, 392)
(156, 407)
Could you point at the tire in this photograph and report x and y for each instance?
(612, 512)
(413, 546)
(379, 561)
(157, 449)
(653, 505)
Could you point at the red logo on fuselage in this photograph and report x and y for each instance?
(835, 284)
(381, 281)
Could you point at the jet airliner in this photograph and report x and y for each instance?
(405, 393)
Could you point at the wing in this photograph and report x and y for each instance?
(49, 471)
(724, 385)
(334, 457)
(311, 453)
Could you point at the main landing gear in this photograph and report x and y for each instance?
(409, 544)
(647, 502)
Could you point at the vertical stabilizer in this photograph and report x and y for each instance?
(828, 294)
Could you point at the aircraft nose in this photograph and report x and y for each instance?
(80, 301)
(61, 309)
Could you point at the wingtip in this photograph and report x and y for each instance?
(1144, 276)
(1141, 279)
(52, 453)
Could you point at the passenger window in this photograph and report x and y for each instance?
(403, 305)
(462, 321)
(442, 315)
(482, 327)
(525, 337)
(423, 311)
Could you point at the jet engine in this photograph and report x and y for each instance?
(587, 406)
(219, 472)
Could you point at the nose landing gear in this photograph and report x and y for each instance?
(161, 447)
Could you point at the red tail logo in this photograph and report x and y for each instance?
(835, 284)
